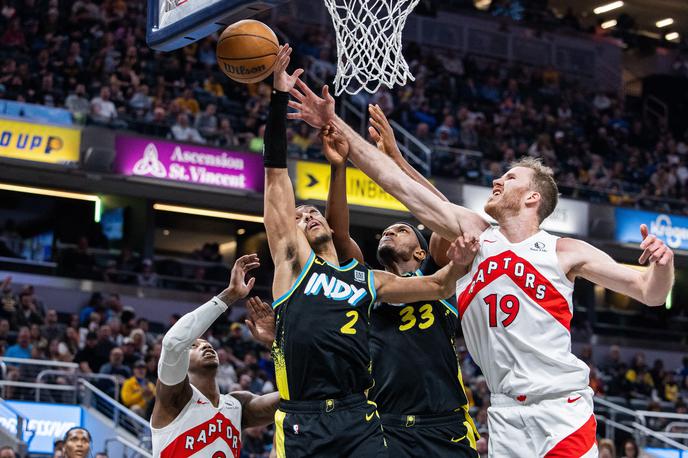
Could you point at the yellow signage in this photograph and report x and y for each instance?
(313, 182)
(39, 142)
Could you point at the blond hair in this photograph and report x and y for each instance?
(544, 184)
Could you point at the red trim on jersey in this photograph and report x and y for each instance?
(220, 425)
(578, 443)
(553, 302)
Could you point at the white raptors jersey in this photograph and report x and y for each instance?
(201, 430)
(516, 308)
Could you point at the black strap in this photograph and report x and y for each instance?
(275, 144)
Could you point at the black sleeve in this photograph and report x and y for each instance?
(275, 149)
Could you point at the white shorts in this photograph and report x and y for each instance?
(551, 427)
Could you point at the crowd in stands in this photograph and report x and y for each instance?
(106, 337)
(90, 57)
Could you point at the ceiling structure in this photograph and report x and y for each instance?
(645, 13)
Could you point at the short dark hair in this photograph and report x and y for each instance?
(543, 182)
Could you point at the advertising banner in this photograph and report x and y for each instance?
(672, 229)
(570, 216)
(193, 164)
(45, 422)
(39, 142)
(313, 182)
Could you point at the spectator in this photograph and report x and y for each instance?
(22, 349)
(78, 104)
(206, 122)
(226, 374)
(7, 452)
(137, 391)
(147, 277)
(102, 108)
(27, 313)
(188, 103)
(606, 448)
(226, 138)
(129, 352)
(52, 329)
(630, 449)
(88, 358)
(182, 132)
(116, 366)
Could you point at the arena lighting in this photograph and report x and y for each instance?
(608, 24)
(210, 213)
(55, 193)
(664, 22)
(608, 7)
(672, 36)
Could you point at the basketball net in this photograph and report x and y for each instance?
(369, 43)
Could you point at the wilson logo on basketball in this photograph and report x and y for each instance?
(241, 70)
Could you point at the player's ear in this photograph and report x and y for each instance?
(419, 255)
(533, 198)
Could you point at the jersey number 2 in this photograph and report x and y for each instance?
(508, 304)
(348, 328)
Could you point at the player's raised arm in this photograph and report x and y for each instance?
(394, 289)
(173, 389)
(336, 150)
(650, 287)
(288, 249)
(383, 135)
(443, 217)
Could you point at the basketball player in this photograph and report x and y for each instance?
(321, 349)
(77, 443)
(190, 417)
(421, 399)
(516, 302)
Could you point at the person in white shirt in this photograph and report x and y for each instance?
(183, 132)
(102, 108)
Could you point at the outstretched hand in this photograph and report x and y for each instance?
(283, 81)
(381, 132)
(462, 251)
(654, 249)
(335, 146)
(238, 286)
(316, 111)
(261, 321)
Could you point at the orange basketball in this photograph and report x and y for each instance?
(246, 51)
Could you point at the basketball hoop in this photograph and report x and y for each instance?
(369, 43)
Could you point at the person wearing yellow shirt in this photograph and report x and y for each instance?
(188, 103)
(137, 391)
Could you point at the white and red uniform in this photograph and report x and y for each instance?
(516, 308)
(201, 430)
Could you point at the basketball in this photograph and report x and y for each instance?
(246, 51)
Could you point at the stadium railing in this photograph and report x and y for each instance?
(16, 436)
(414, 150)
(120, 415)
(124, 446)
(636, 422)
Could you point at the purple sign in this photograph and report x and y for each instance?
(195, 164)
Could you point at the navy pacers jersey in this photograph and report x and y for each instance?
(415, 366)
(321, 343)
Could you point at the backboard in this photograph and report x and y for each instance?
(173, 24)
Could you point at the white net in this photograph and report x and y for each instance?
(369, 43)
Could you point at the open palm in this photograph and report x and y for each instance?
(237, 281)
(316, 111)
